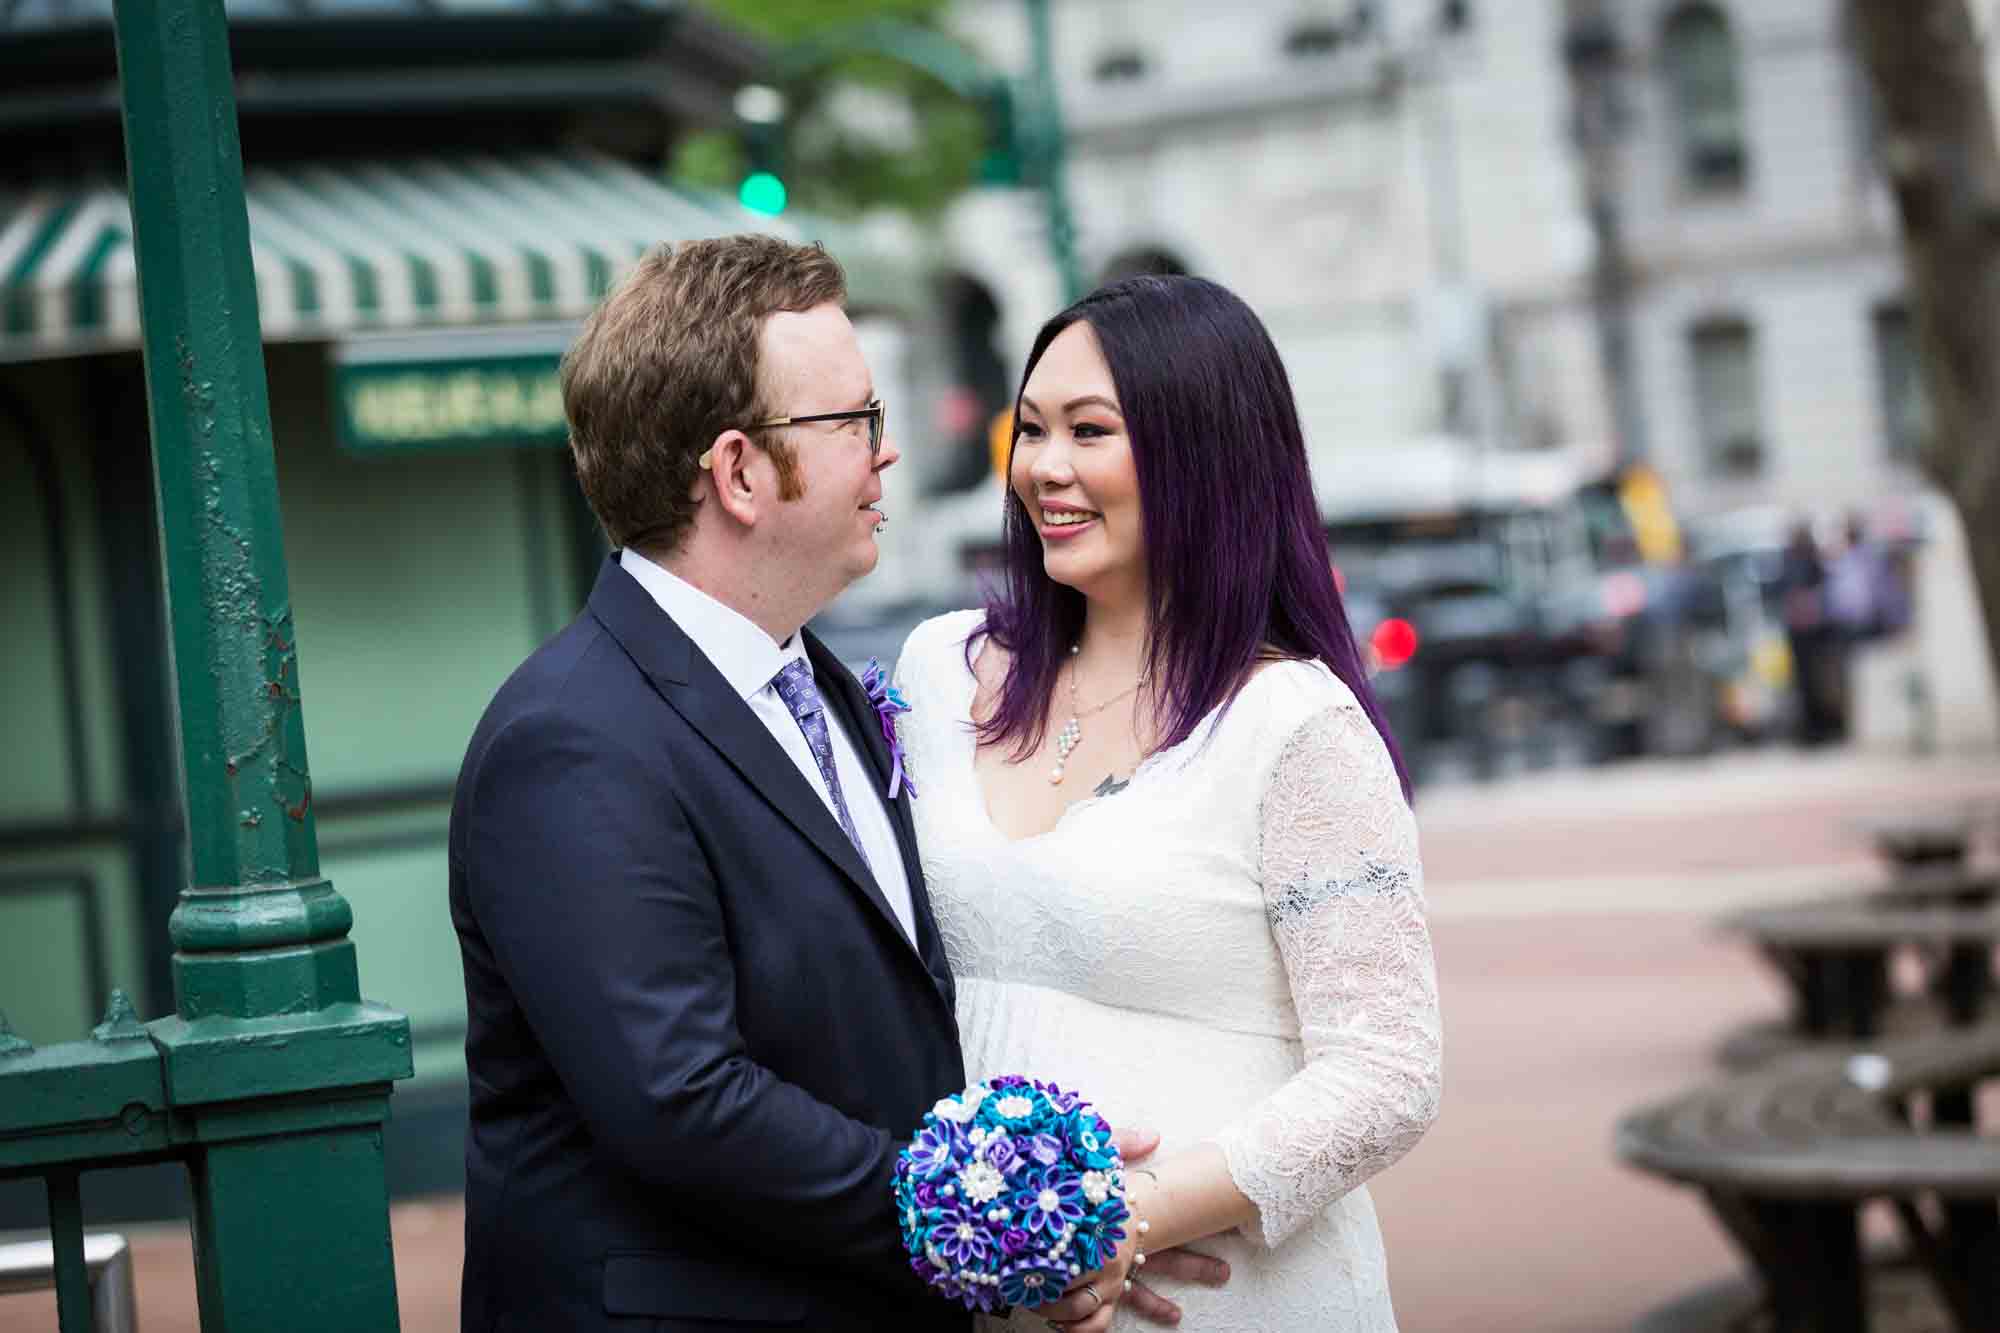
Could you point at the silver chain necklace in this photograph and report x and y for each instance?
(1071, 734)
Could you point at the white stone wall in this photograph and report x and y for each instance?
(1804, 254)
(1364, 212)
(1359, 201)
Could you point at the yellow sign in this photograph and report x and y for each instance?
(1644, 498)
(1000, 440)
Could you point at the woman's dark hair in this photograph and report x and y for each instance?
(1237, 561)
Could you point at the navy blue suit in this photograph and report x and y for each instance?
(696, 1033)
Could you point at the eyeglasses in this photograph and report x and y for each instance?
(874, 414)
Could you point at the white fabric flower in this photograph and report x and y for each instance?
(959, 1110)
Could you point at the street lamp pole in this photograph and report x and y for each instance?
(276, 1072)
(1050, 149)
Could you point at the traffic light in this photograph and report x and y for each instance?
(762, 192)
(763, 187)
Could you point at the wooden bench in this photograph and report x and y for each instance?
(1786, 1155)
(1836, 956)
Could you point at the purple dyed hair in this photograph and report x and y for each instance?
(1221, 463)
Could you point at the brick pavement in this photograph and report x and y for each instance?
(1579, 978)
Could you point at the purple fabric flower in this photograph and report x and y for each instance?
(1013, 1241)
(1002, 1154)
(1046, 1149)
(927, 1194)
(935, 1149)
(960, 1236)
(888, 702)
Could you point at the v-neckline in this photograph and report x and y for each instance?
(971, 737)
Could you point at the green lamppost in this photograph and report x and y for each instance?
(271, 1080)
(278, 1074)
(1050, 147)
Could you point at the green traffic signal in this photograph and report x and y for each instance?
(762, 192)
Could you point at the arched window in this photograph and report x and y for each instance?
(1726, 397)
(1698, 56)
(979, 388)
(1144, 259)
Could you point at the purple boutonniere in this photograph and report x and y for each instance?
(888, 702)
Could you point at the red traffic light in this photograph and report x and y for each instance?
(1394, 643)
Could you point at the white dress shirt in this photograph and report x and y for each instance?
(748, 659)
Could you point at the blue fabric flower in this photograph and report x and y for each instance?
(1098, 1235)
(1047, 1200)
(1033, 1280)
(1089, 1140)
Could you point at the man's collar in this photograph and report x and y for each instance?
(740, 650)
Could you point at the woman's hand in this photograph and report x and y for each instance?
(1087, 1306)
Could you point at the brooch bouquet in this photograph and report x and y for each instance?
(1011, 1190)
(889, 701)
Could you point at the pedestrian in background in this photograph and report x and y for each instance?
(1864, 596)
(1814, 639)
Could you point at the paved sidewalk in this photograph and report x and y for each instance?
(1580, 977)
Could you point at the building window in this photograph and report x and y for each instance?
(1314, 37)
(1906, 409)
(1122, 66)
(1725, 392)
(1320, 35)
(1698, 53)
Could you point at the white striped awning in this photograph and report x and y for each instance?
(350, 247)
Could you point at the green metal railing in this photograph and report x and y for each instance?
(270, 1082)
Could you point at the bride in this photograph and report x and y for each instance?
(1165, 831)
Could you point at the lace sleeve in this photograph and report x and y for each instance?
(1343, 889)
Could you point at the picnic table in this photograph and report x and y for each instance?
(1836, 956)
(1786, 1155)
(1913, 840)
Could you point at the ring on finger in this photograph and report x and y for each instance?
(1092, 1293)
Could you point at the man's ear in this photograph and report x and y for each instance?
(727, 464)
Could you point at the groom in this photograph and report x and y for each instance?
(705, 991)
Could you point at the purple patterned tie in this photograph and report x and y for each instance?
(795, 686)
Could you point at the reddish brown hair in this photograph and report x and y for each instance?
(667, 362)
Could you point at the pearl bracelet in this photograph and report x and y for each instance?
(1140, 1226)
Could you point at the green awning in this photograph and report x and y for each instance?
(352, 247)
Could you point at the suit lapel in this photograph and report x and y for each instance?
(838, 685)
(690, 683)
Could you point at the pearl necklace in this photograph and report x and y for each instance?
(1071, 734)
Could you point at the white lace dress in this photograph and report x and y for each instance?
(1231, 949)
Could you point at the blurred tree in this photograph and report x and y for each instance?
(1936, 138)
(866, 131)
